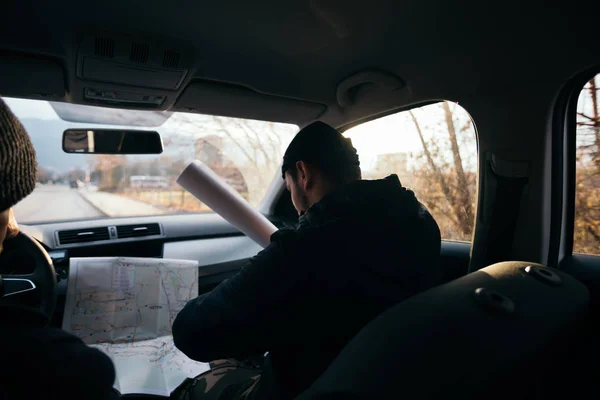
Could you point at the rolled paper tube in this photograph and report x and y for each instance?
(209, 188)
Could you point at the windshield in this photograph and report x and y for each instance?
(245, 153)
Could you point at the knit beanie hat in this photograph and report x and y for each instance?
(18, 164)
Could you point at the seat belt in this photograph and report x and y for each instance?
(505, 189)
(503, 222)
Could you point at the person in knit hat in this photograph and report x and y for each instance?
(17, 169)
(44, 362)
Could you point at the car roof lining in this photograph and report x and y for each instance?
(298, 52)
(504, 63)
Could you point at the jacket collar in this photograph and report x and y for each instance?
(346, 200)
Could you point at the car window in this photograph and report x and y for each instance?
(433, 150)
(586, 237)
(245, 153)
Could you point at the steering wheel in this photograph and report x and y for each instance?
(34, 288)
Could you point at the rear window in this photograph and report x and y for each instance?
(433, 150)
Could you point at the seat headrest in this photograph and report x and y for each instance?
(485, 333)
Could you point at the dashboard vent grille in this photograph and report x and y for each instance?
(139, 53)
(104, 47)
(128, 231)
(170, 59)
(83, 235)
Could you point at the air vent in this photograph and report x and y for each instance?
(139, 53)
(104, 47)
(170, 59)
(82, 235)
(128, 231)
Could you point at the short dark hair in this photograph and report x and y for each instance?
(342, 173)
(325, 148)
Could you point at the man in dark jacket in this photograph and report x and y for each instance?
(360, 247)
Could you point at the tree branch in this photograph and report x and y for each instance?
(436, 171)
(260, 146)
(588, 117)
(586, 124)
(255, 141)
(590, 230)
(463, 187)
(596, 116)
(230, 136)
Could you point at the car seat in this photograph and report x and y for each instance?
(490, 334)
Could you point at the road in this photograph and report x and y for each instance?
(54, 203)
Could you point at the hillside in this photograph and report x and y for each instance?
(46, 136)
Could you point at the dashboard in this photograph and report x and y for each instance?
(220, 249)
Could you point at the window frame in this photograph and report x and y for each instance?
(356, 123)
(564, 170)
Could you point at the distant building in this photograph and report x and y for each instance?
(392, 163)
(108, 170)
(154, 182)
(209, 150)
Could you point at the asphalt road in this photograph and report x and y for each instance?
(54, 203)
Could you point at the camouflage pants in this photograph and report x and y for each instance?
(226, 380)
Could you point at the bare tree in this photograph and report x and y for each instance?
(42, 175)
(450, 177)
(248, 150)
(109, 170)
(447, 188)
(587, 198)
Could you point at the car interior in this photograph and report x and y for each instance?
(511, 84)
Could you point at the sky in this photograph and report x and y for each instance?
(390, 134)
(396, 133)
(24, 108)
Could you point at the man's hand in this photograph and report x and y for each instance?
(8, 226)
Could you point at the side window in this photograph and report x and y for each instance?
(433, 150)
(586, 237)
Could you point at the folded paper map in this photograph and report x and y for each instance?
(126, 307)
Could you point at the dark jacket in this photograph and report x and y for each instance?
(49, 363)
(356, 252)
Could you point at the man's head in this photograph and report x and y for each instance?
(18, 167)
(317, 161)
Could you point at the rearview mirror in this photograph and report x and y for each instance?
(111, 141)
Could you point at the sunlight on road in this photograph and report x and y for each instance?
(54, 203)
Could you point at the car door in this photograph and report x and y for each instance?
(575, 228)
(576, 223)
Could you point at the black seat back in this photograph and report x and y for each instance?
(491, 333)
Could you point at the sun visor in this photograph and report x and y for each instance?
(237, 101)
(31, 77)
(109, 116)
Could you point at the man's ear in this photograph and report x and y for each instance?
(305, 175)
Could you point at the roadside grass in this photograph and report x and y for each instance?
(180, 200)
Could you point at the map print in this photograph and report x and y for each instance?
(126, 307)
